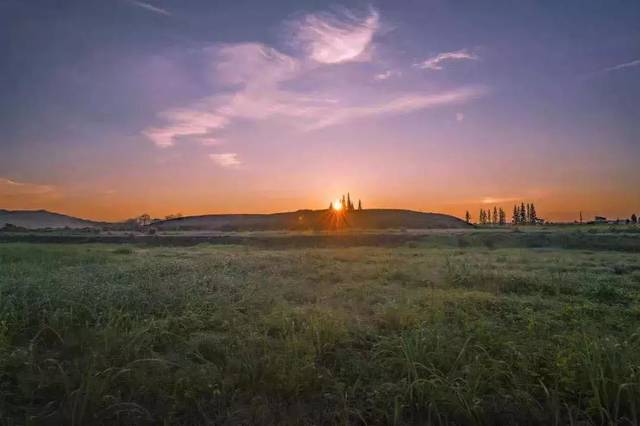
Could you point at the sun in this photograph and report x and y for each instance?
(337, 205)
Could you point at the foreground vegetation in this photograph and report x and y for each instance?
(238, 334)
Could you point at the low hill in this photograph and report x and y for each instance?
(315, 219)
(38, 219)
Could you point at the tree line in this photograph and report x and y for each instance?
(145, 219)
(347, 204)
(522, 215)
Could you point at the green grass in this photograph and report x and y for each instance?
(419, 334)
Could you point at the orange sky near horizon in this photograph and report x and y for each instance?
(561, 206)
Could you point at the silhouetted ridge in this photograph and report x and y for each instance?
(36, 219)
(315, 219)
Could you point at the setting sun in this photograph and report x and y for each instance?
(337, 205)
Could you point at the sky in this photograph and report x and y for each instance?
(114, 108)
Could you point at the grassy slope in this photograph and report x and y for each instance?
(235, 334)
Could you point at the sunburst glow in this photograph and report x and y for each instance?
(337, 205)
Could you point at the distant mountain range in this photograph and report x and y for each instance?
(298, 220)
(37, 219)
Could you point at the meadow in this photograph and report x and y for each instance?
(453, 328)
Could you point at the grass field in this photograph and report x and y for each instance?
(443, 330)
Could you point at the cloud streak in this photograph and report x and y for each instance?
(435, 63)
(400, 105)
(499, 200)
(634, 63)
(150, 7)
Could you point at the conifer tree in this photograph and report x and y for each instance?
(344, 202)
(330, 206)
(349, 204)
(467, 217)
(516, 215)
(359, 205)
(528, 216)
(481, 218)
(533, 215)
(523, 212)
(502, 217)
(634, 218)
(495, 215)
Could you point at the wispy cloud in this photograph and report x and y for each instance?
(334, 38)
(193, 123)
(634, 63)
(614, 68)
(150, 7)
(386, 75)
(499, 200)
(256, 82)
(435, 63)
(258, 78)
(251, 64)
(23, 194)
(252, 72)
(10, 187)
(229, 159)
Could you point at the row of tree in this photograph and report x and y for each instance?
(522, 215)
(498, 217)
(144, 219)
(347, 204)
